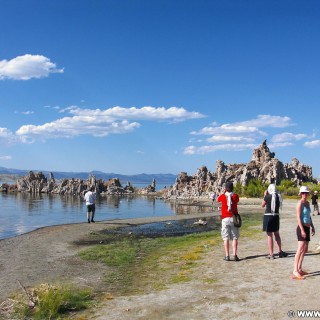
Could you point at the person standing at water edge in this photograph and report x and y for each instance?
(214, 196)
(271, 221)
(229, 203)
(90, 198)
(303, 232)
(314, 200)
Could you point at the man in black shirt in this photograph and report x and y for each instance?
(314, 200)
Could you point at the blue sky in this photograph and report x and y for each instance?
(157, 86)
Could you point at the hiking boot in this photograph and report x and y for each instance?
(282, 254)
(92, 220)
(88, 220)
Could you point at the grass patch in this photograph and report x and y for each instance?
(141, 264)
(51, 302)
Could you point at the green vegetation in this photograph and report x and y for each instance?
(145, 264)
(256, 188)
(52, 302)
(135, 265)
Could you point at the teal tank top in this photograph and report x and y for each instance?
(305, 215)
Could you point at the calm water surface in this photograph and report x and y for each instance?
(24, 212)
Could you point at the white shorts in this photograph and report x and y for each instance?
(228, 230)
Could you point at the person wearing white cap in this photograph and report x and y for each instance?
(271, 220)
(303, 232)
(314, 201)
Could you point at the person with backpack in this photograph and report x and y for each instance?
(229, 204)
(272, 201)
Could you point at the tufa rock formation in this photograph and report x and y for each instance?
(263, 166)
(38, 183)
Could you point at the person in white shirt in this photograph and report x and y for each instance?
(90, 198)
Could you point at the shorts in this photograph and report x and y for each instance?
(271, 223)
(315, 207)
(91, 208)
(228, 230)
(306, 230)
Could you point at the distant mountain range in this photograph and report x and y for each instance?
(144, 178)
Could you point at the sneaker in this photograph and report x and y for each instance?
(282, 254)
(88, 220)
(92, 220)
(226, 258)
(236, 258)
(271, 257)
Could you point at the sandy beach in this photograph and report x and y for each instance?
(253, 288)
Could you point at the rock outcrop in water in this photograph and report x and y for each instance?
(263, 166)
(38, 183)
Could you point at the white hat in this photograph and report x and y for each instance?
(303, 189)
(316, 192)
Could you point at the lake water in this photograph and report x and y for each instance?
(24, 212)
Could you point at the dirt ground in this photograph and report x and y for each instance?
(253, 288)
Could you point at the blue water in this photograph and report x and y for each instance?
(24, 212)
(21, 213)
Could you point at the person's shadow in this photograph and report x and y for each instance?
(290, 254)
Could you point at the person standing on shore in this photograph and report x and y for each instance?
(90, 198)
(303, 212)
(229, 203)
(271, 220)
(314, 201)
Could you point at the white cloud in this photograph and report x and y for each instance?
(212, 148)
(5, 157)
(101, 123)
(27, 112)
(27, 67)
(250, 126)
(312, 144)
(145, 113)
(265, 120)
(242, 135)
(228, 129)
(275, 145)
(288, 136)
(7, 137)
(221, 138)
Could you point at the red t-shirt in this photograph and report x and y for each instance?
(225, 213)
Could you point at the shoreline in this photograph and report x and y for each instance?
(201, 202)
(49, 254)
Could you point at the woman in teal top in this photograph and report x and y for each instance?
(303, 232)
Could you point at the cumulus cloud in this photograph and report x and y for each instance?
(265, 120)
(288, 136)
(7, 137)
(221, 138)
(100, 123)
(145, 113)
(250, 126)
(312, 144)
(243, 135)
(190, 150)
(27, 67)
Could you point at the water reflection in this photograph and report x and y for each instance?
(24, 212)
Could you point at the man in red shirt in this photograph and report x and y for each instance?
(229, 203)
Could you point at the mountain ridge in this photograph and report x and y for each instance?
(134, 178)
